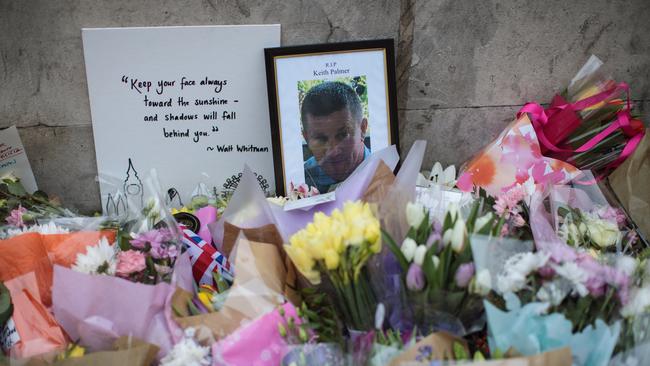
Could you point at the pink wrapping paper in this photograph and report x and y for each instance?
(512, 158)
(99, 309)
(206, 215)
(257, 344)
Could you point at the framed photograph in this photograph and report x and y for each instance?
(331, 106)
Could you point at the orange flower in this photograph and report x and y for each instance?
(482, 170)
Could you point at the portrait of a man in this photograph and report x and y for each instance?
(334, 128)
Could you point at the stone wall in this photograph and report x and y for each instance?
(464, 67)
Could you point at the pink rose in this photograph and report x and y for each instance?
(130, 262)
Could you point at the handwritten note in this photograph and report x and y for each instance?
(190, 102)
(13, 159)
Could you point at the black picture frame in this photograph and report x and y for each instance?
(272, 54)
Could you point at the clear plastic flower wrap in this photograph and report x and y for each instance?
(551, 297)
(584, 217)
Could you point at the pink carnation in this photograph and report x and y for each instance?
(129, 262)
(16, 217)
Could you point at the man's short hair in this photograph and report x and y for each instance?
(329, 97)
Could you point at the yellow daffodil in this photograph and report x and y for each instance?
(206, 300)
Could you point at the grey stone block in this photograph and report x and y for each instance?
(43, 73)
(492, 53)
(64, 164)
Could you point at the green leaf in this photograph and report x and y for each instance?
(16, 189)
(6, 308)
(473, 215)
(427, 267)
(395, 250)
(459, 352)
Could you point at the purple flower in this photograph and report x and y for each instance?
(16, 217)
(415, 278)
(433, 237)
(152, 237)
(464, 274)
(162, 251)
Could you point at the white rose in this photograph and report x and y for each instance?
(603, 233)
(638, 303)
(626, 264)
(414, 214)
(408, 248)
(418, 256)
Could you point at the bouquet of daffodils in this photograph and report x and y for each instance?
(437, 267)
(338, 247)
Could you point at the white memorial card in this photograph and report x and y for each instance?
(13, 159)
(190, 102)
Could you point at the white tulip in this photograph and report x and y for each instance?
(483, 282)
(414, 214)
(453, 210)
(418, 256)
(408, 248)
(458, 236)
(436, 261)
(482, 221)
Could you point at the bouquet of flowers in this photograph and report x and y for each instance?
(337, 247)
(438, 270)
(584, 218)
(534, 292)
(19, 208)
(591, 124)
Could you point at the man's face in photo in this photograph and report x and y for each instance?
(336, 140)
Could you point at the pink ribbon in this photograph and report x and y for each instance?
(546, 121)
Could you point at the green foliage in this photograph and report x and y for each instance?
(6, 308)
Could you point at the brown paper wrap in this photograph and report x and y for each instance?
(380, 184)
(265, 234)
(258, 288)
(125, 353)
(630, 183)
(440, 344)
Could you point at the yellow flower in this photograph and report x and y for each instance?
(206, 300)
(77, 351)
(182, 209)
(303, 262)
(331, 259)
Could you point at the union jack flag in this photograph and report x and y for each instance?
(206, 260)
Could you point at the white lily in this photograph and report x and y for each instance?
(446, 177)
